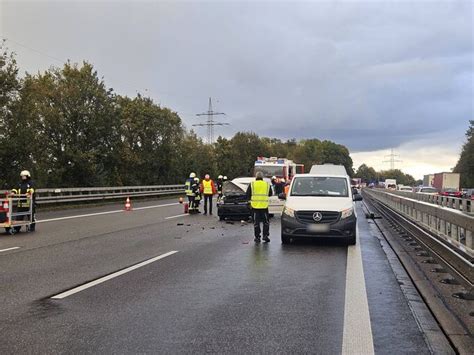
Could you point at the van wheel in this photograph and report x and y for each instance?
(285, 239)
(352, 239)
(221, 218)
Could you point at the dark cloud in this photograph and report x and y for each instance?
(369, 75)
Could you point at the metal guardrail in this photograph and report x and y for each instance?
(453, 226)
(79, 194)
(460, 204)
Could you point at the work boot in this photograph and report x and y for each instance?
(266, 239)
(257, 240)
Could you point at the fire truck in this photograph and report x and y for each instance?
(279, 167)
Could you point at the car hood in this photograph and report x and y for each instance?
(307, 203)
(231, 188)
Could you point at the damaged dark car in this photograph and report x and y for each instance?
(234, 203)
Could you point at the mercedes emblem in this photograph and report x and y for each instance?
(317, 216)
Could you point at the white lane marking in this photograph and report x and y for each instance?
(102, 213)
(180, 215)
(357, 336)
(111, 276)
(7, 249)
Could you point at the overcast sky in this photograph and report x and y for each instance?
(370, 75)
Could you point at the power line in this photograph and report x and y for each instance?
(392, 159)
(128, 84)
(33, 50)
(210, 123)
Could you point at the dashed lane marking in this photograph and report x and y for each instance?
(180, 215)
(111, 276)
(103, 213)
(7, 249)
(357, 336)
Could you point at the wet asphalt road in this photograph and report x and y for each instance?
(219, 293)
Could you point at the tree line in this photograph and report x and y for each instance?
(71, 130)
(465, 164)
(368, 175)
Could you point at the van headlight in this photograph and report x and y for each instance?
(289, 212)
(347, 213)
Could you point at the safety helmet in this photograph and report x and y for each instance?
(196, 179)
(225, 177)
(25, 173)
(220, 177)
(192, 175)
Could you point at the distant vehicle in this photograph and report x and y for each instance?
(443, 181)
(427, 190)
(234, 202)
(320, 204)
(390, 184)
(451, 192)
(468, 193)
(404, 188)
(279, 167)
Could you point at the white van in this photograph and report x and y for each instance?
(320, 204)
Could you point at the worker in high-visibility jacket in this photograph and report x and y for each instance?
(219, 186)
(189, 191)
(258, 194)
(208, 189)
(26, 187)
(196, 188)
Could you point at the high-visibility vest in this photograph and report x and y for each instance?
(189, 192)
(207, 187)
(260, 191)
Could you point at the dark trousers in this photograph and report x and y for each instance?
(261, 216)
(191, 202)
(206, 199)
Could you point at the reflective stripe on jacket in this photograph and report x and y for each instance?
(188, 191)
(260, 191)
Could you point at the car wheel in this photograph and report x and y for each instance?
(352, 239)
(221, 218)
(285, 239)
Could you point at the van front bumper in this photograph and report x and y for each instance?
(292, 227)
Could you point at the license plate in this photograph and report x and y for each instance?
(318, 228)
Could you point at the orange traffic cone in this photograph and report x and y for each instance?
(128, 205)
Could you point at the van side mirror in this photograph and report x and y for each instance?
(282, 196)
(355, 191)
(357, 197)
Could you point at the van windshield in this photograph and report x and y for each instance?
(320, 186)
(270, 170)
